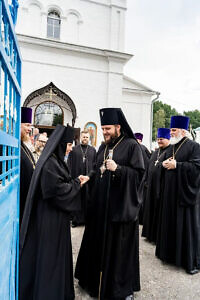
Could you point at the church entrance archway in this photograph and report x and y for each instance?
(51, 106)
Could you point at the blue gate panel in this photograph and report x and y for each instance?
(10, 97)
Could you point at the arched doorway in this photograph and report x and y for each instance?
(51, 106)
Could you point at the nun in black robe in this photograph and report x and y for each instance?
(45, 266)
(178, 240)
(82, 160)
(110, 244)
(153, 184)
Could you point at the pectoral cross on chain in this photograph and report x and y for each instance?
(156, 162)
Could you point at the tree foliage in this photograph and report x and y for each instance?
(161, 116)
(194, 116)
(57, 119)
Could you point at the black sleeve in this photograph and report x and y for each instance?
(188, 173)
(61, 193)
(92, 172)
(126, 200)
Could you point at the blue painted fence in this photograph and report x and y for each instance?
(10, 97)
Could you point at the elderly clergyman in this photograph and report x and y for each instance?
(27, 163)
(178, 240)
(39, 146)
(108, 261)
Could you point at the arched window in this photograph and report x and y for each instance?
(48, 114)
(53, 24)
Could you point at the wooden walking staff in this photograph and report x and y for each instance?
(100, 296)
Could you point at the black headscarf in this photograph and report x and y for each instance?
(56, 144)
(67, 137)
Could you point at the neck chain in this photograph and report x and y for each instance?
(103, 167)
(159, 156)
(26, 151)
(84, 154)
(174, 153)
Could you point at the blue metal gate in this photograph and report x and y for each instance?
(10, 97)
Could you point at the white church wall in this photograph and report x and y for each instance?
(83, 77)
(97, 24)
(89, 78)
(35, 14)
(88, 98)
(137, 108)
(82, 62)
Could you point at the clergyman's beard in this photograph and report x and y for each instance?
(24, 137)
(84, 142)
(112, 138)
(174, 140)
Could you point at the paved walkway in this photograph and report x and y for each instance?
(159, 281)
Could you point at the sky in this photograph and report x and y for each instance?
(164, 37)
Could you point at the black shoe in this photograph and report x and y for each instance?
(193, 271)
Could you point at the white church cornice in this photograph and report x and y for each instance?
(121, 4)
(49, 43)
(140, 91)
(137, 87)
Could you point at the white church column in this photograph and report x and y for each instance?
(114, 87)
(44, 25)
(34, 19)
(117, 28)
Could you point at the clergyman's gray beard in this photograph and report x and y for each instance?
(174, 140)
(24, 138)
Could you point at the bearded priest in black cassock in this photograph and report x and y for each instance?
(27, 162)
(82, 160)
(108, 261)
(45, 263)
(178, 240)
(153, 183)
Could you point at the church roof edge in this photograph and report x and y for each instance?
(142, 87)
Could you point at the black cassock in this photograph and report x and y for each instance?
(146, 157)
(121, 260)
(179, 223)
(152, 184)
(45, 266)
(82, 161)
(27, 165)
